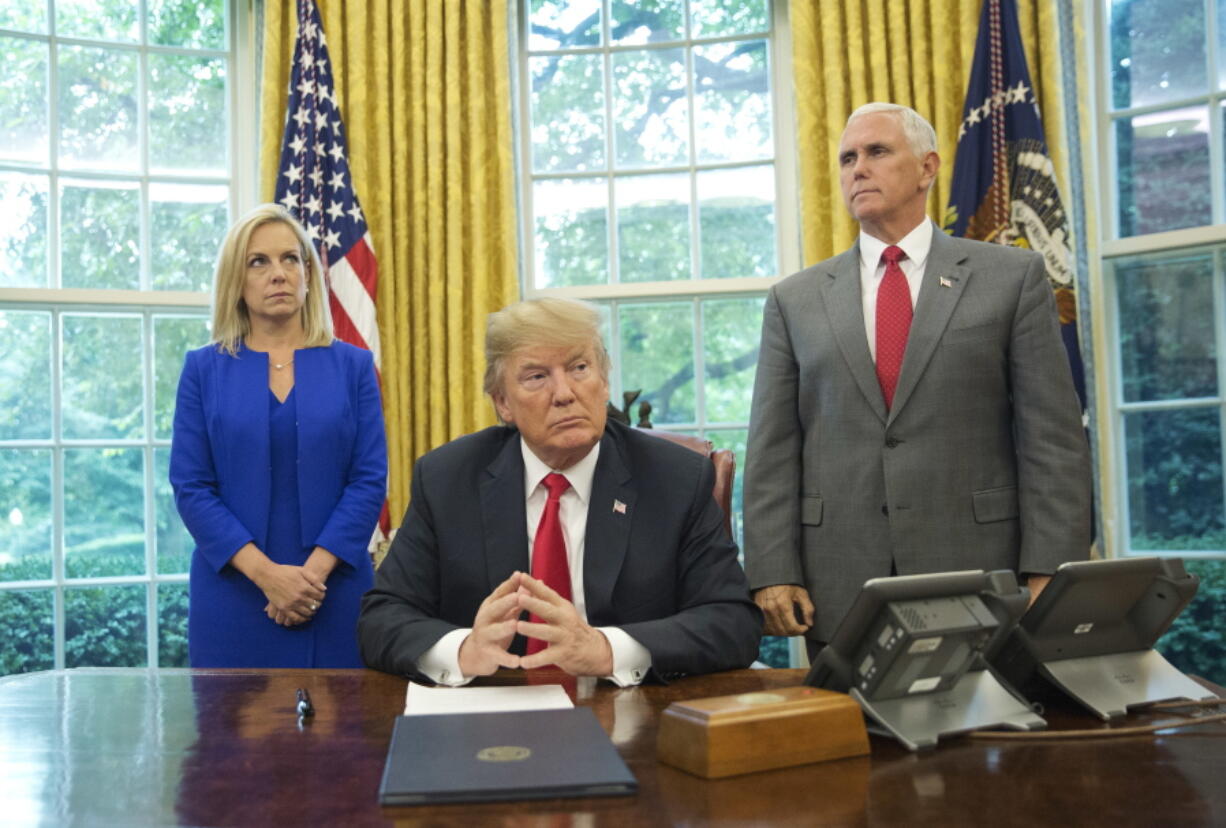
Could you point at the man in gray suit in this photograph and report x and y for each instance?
(889, 441)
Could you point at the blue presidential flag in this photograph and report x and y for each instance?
(1004, 184)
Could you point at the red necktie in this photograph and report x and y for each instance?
(549, 549)
(893, 322)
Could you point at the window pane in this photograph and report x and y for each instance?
(653, 227)
(23, 16)
(25, 375)
(732, 117)
(173, 337)
(25, 514)
(103, 21)
(23, 230)
(105, 627)
(172, 625)
(572, 232)
(1167, 342)
(657, 356)
(650, 110)
(647, 21)
(731, 330)
(27, 618)
(1163, 171)
(567, 113)
(102, 393)
(736, 217)
(1175, 478)
(97, 108)
(100, 235)
(104, 512)
(718, 18)
(23, 100)
(187, 114)
(1157, 51)
(174, 544)
(563, 24)
(186, 225)
(197, 23)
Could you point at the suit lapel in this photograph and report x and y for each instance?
(503, 516)
(844, 305)
(944, 281)
(608, 528)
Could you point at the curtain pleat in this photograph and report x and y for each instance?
(918, 53)
(424, 91)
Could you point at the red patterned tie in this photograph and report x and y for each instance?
(893, 322)
(549, 549)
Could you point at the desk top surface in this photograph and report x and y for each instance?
(224, 747)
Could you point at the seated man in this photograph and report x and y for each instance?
(632, 570)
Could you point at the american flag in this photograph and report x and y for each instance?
(314, 183)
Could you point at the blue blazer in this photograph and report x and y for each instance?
(663, 568)
(219, 462)
(221, 474)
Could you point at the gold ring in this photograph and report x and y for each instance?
(314, 606)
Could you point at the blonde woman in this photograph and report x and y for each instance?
(278, 461)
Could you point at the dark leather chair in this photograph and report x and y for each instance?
(723, 460)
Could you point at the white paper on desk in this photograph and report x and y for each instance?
(420, 700)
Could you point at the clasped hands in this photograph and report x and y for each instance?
(574, 646)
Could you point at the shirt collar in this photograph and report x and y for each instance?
(580, 475)
(916, 244)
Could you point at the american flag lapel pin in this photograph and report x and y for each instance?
(945, 282)
(619, 507)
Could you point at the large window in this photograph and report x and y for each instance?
(1162, 100)
(117, 177)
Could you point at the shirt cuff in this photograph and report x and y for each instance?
(441, 663)
(631, 660)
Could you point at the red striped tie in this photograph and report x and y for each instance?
(549, 549)
(893, 322)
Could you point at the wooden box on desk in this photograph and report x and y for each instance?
(729, 735)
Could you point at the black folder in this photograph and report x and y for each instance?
(491, 757)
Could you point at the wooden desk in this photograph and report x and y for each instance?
(223, 747)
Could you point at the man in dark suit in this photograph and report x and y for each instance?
(632, 570)
(888, 440)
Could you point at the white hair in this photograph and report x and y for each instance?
(921, 137)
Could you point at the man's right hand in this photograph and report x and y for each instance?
(485, 648)
(779, 604)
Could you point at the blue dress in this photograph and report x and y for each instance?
(287, 477)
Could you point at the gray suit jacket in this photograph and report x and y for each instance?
(982, 462)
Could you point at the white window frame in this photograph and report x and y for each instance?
(242, 78)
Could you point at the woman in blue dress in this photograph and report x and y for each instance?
(278, 461)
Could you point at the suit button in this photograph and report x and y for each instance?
(891, 442)
(885, 509)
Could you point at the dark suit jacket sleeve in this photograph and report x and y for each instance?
(348, 529)
(215, 528)
(400, 617)
(1052, 453)
(716, 625)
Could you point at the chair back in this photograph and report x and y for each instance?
(723, 460)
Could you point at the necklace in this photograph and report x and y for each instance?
(283, 365)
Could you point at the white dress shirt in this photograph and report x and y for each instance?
(631, 660)
(916, 245)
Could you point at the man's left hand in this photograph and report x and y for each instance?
(573, 646)
(1036, 584)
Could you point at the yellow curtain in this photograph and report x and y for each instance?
(918, 53)
(424, 89)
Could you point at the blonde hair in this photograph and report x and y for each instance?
(920, 135)
(549, 322)
(231, 322)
